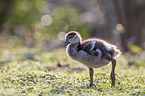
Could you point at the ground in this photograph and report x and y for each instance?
(25, 71)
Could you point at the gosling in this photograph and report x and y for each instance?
(94, 53)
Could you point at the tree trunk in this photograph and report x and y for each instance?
(130, 14)
(5, 8)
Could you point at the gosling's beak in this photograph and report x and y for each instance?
(66, 43)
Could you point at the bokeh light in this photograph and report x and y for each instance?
(87, 17)
(46, 20)
(120, 28)
(61, 36)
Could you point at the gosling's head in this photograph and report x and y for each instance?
(72, 37)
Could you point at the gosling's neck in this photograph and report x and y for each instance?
(72, 50)
(74, 46)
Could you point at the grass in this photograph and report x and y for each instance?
(35, 72)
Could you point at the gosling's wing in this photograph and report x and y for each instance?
(100, 47)
(86, 46)
(92, 47)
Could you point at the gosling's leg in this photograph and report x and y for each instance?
(91, 72)
(112, 75)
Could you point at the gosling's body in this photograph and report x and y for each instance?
(93, 53)
(81, 52)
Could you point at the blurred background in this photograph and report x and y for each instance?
(43, 23)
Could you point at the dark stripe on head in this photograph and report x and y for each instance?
(71, 35)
